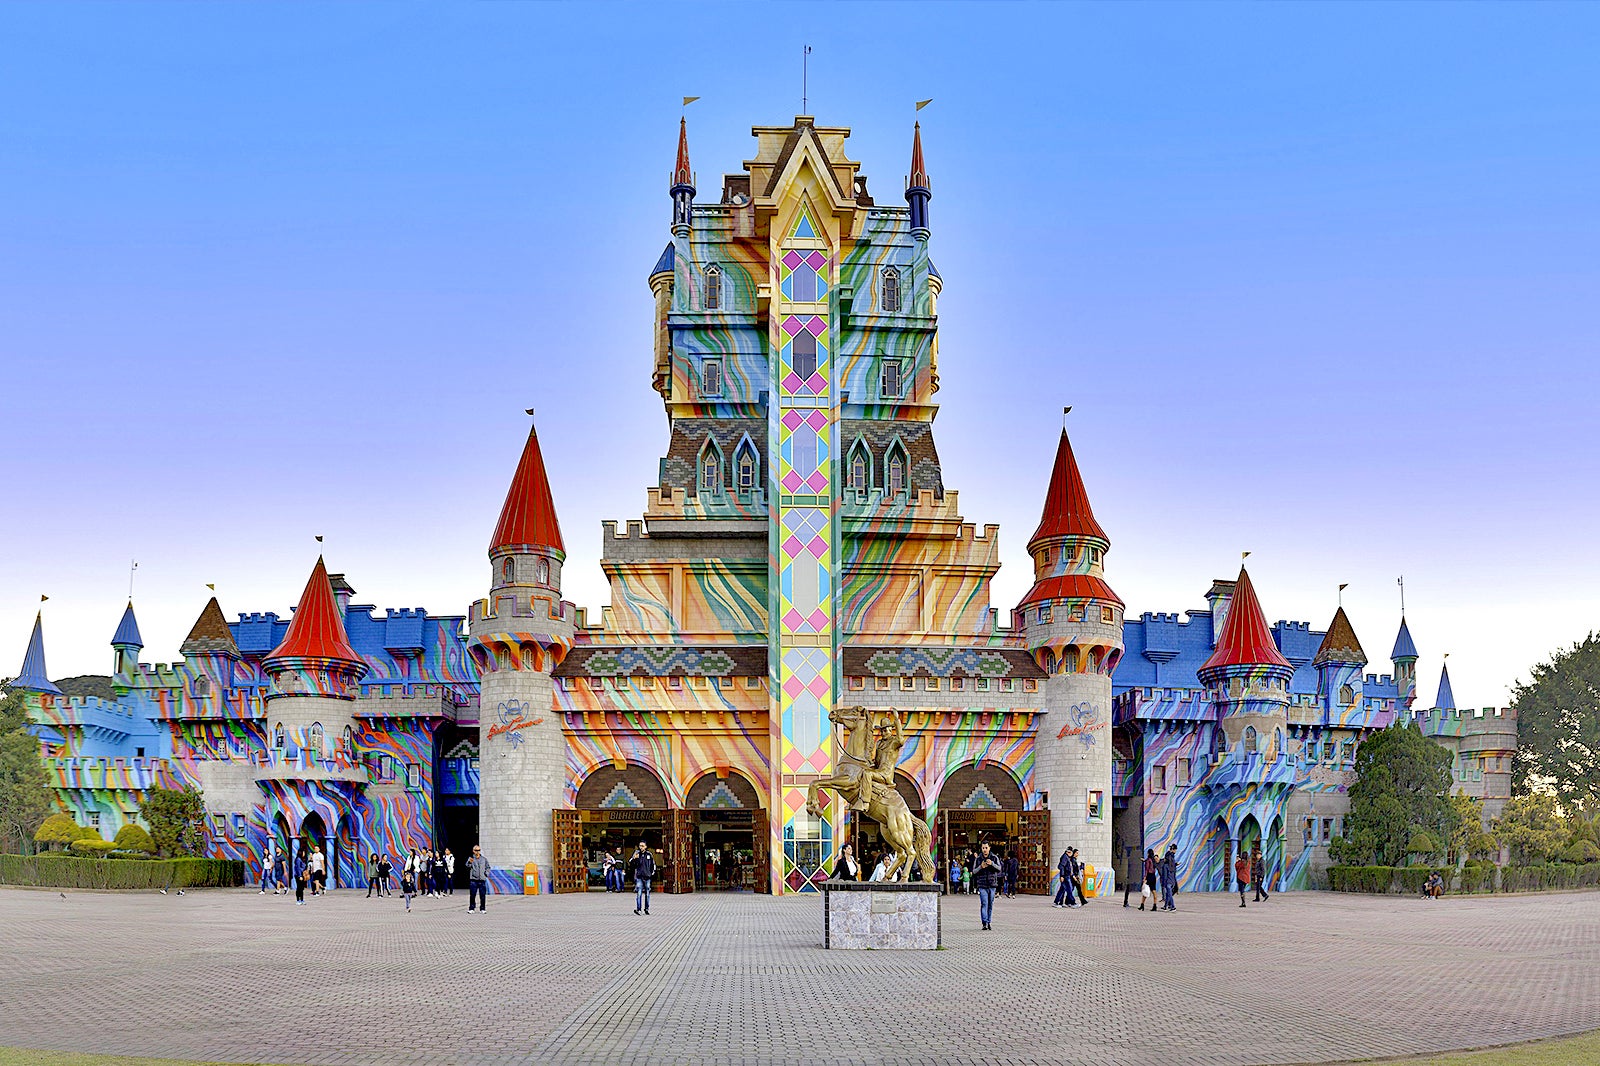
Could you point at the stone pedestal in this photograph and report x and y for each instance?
(881, 915)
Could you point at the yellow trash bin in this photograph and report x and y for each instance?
(530, 879)
(1091, 882)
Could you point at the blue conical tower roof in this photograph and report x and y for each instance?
(33, 677)
(127, 630)
(1403, 647)
(1446, 700)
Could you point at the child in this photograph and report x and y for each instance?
(408, 886)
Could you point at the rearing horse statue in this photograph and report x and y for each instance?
(865, 781)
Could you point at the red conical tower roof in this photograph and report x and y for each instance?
(317, 629)
(681, 174)
(529, 515)
(1245, 640)
(1066, 506)
(919, 170)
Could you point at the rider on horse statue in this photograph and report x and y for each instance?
(885, 756)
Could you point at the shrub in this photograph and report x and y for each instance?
(133, 837)
(1581, 851)
(59, 829)
(1423, 843)
(68, 871)
(1361, 878)
(90, 845)
(1476, 876)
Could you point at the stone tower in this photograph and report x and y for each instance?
(126, 644)
(517, 637)
(1072, 621)
(1404, 657)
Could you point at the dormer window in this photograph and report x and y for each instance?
(895, 476)
(891, 289)
(747, 469)
(891, 384)
(803, 355)
(710, 469)
(711, 377)
(713, 287)
(860, 470)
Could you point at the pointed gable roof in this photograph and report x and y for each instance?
(1245, 640)
(33, 676)
(1066, 505)
(210, 633)
(1403, 647)
(668, 261)
(919, 170)
(1445, 700)
(1339, 644)
(317, 629)
(529, 514)
(127, 630)
(681, 174)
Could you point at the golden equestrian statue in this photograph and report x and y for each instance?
(865, 781)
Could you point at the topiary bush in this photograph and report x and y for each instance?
(94, 845)
(58, 829)
(133, 837)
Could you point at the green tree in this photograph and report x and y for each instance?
(175, 817)
(1558, 727)
(133, 837)
(1465, 832)
(25, 799)
(1532, 827)
(1402, 785)
(59, 829)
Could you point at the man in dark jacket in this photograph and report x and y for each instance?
(1064, 871)
(1169, 878)
(643, 867)
(986, 876)
(1258, 874)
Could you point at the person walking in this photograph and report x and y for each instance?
(847, 869)
(1169, 878)
(1241, 871)
(269, 869)
(643, 868)
(1077, 879)
(608, 866)
(1064, 871)
(436, 870)
(373, 882)
(478, 880)
(1013, 870)
(408, 884)
(300, 870)
(319, 874)
(449, 872)
(1258, 874)
(385, 870)
(986, 877)
(1149, 891)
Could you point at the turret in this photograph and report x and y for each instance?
(126, 644)
(315, 676)
(210, 651)
(682, 190)
(1247, 676)
(1338, 663)
(919, 189)
(519, 635)
(33, 676)
(1404, 657)
(1072, 621)
(1446, 699)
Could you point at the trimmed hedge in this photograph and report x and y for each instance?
(90, 847)
(1473, 877)
(66, 871)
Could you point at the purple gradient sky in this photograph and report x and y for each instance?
(1320, 282)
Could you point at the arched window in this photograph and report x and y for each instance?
(710, 469)
(508, 571)
(891, 289)
(1347, 695)
(314, 738)
(544, 571)
(746, 467)
(277, 737)
(1277, 743)
(202, 687)
(894, 473)
(1251, 741)
(713, 287)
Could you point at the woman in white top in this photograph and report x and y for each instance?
(877, 871)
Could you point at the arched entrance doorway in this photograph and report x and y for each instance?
(1273, 853)
(615, 808)
(731, 834)
(982, 803)
(313, 835)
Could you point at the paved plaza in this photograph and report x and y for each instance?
(231, 975)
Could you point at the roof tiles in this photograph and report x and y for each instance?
(529, 514)
(1245, 639)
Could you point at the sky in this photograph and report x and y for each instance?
(1319, 282)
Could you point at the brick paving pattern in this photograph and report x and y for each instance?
(733, 980)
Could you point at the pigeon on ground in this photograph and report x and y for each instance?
(63, 895)
(163, 892)
(180, 891)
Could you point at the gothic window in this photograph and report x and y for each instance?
(202, 687)
(711, 377)
(894, 476)
(803, 355)
(508, 571)
(1347, 695)
(710, 469)
(1277, 743)
(544, 571)
(891, 289)
(747, 468)
(860, 468)
(1251, 741)
(315, 738)
(277, 737)
(713, 287)
(891, 384)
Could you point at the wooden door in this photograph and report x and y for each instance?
(1034, 855)
(571, 872)
(762, 845)
(679, 851)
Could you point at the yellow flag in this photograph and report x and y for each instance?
(687, 100)
(210, 586)
(43, 598)
(1243, 556)
(924, 103)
